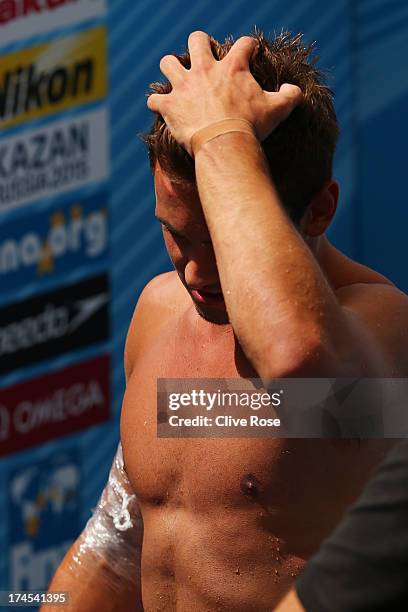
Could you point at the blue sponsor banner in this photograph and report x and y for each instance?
(53, 242)
(43, 518)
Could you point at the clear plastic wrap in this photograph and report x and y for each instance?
(114, 533)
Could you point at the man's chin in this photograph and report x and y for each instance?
(218, 316)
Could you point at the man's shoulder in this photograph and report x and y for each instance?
(162, 297)
(160, 287)
(384, 309)
(158, 303)
(375, 293)
(384, 303)
(356, 282)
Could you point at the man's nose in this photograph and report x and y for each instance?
(201, 272)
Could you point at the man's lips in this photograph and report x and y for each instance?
(207, 297)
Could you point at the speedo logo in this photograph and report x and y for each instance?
(54, 323)
(51, 323)
(55, 242)
(51, 77)
(10, 10)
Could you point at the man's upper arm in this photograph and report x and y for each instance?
(378, 319)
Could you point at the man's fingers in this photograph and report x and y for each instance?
(157, 102)
(285, 100)
(200, 49)
(292, 93)
(242, 51)
(172, 69)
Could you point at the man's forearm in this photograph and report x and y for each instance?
(278, 300)
(102, 570)
(93, 585)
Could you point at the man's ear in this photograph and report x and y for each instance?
(321, 210)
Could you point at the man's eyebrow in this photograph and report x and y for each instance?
(170, 227)
(176, 232)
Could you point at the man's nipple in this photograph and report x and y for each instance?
(250, 486)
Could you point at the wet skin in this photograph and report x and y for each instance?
(228, 523)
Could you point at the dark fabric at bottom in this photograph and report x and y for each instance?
(363, 565)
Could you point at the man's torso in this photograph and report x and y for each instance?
(228, 523)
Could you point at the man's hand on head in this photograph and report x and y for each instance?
(212, 91)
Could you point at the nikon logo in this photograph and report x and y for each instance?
(33, 83)
(28, 89)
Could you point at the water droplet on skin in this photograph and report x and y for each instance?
(237, 571)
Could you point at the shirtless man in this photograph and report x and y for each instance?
(258, 290)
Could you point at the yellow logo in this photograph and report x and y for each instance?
(52, 77)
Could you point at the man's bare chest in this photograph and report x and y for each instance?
(270, 476)
(206, 467)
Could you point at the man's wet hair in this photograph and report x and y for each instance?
(300, 150)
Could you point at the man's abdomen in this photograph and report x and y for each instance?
(222, 560)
